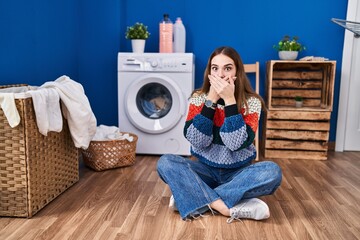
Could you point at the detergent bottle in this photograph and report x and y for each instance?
(166, 35)
(179, 36)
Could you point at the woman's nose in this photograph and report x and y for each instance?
(221, 73)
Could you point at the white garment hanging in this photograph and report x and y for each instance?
(76, 109)
(46, 102)
(7, 103)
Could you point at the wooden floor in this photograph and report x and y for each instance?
(317, 200)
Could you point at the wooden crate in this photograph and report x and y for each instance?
(296, 134)
(314, 81)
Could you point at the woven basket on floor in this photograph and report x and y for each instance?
(34, 169)
(102, 155)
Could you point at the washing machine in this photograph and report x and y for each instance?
(153, 93)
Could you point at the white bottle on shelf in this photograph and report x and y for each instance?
(179, 36)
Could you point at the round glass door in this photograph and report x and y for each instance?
(154, 100)
(154, 103)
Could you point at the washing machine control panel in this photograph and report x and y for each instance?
(156, 62)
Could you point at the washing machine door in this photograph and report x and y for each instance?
(154, 103)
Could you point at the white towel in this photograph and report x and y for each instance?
(7, 103)
(76, 109)
(46, 102)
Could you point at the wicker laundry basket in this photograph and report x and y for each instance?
(107, 154)
(34, 169)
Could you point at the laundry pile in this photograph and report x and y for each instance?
(110, 133)
(47, 98)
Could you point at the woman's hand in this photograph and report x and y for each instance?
(213, 95)
(224, 87)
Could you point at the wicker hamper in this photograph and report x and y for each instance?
(107, 154)
(34, 169)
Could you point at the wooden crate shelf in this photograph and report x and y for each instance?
(298, 133)
(314, 81)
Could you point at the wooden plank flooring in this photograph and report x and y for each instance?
(317, 200)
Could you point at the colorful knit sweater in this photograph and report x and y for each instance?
(222, 137)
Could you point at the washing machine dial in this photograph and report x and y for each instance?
(154, 63)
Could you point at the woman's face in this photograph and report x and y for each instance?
(223, 66)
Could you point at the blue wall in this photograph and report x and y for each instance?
(38, 40)
(100, 28)
(42, 40)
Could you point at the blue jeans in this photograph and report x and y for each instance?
(195, 185)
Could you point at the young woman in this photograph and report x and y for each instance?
(222, 120)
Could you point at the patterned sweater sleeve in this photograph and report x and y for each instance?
(198, 128)
(238, 130)
(226, 126)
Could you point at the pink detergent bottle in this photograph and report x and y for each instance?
(166, 35)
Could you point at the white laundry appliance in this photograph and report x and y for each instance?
(153, 93)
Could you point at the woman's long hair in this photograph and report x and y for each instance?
(243, 88)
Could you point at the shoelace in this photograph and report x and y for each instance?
(231, 219)
(245, 213)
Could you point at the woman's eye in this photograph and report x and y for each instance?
(214, 68)
(228, 69)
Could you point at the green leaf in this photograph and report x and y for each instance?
(137, 31)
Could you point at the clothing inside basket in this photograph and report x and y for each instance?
(75, 107)
(104, 132)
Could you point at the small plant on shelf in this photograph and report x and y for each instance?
(289, 44)
(298, 101)
(137, 31)
(298, 98)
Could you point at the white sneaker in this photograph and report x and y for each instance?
(172, 203)
(252, 208)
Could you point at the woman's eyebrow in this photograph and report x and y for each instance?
(229, 64)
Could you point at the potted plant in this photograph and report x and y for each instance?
(138, 34)
(298, 101)
(289, 48)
